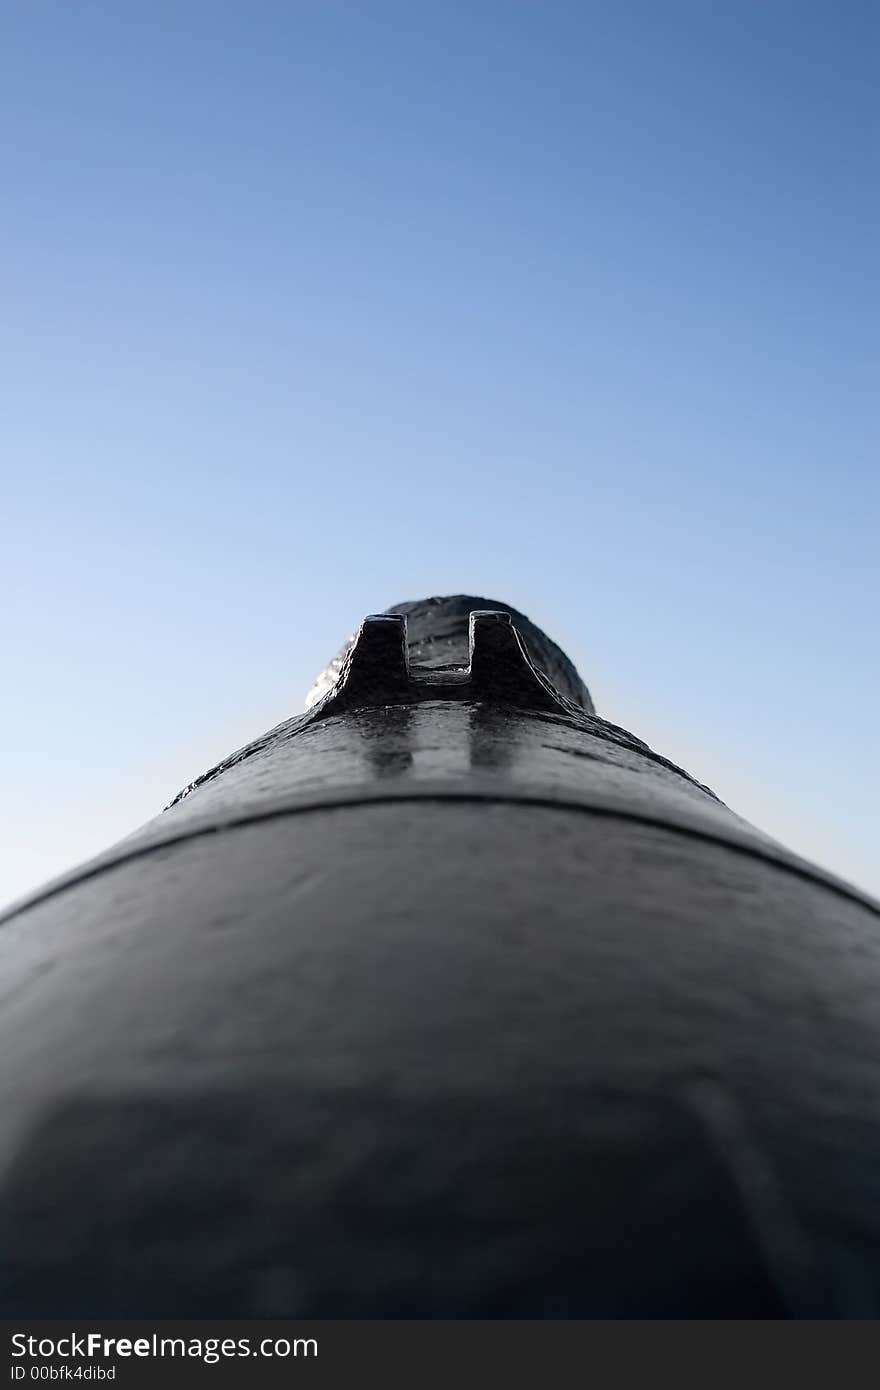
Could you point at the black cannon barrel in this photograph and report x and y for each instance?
(444, 998)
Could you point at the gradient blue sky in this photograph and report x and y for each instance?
(308, 308)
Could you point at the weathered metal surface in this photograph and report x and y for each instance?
(438, 635)
(457, 1003)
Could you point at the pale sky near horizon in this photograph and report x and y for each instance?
(308, 308)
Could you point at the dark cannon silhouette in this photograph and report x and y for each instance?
(447, 998)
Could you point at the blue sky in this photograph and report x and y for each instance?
(312, 307)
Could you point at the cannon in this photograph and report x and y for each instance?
(446, 998)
